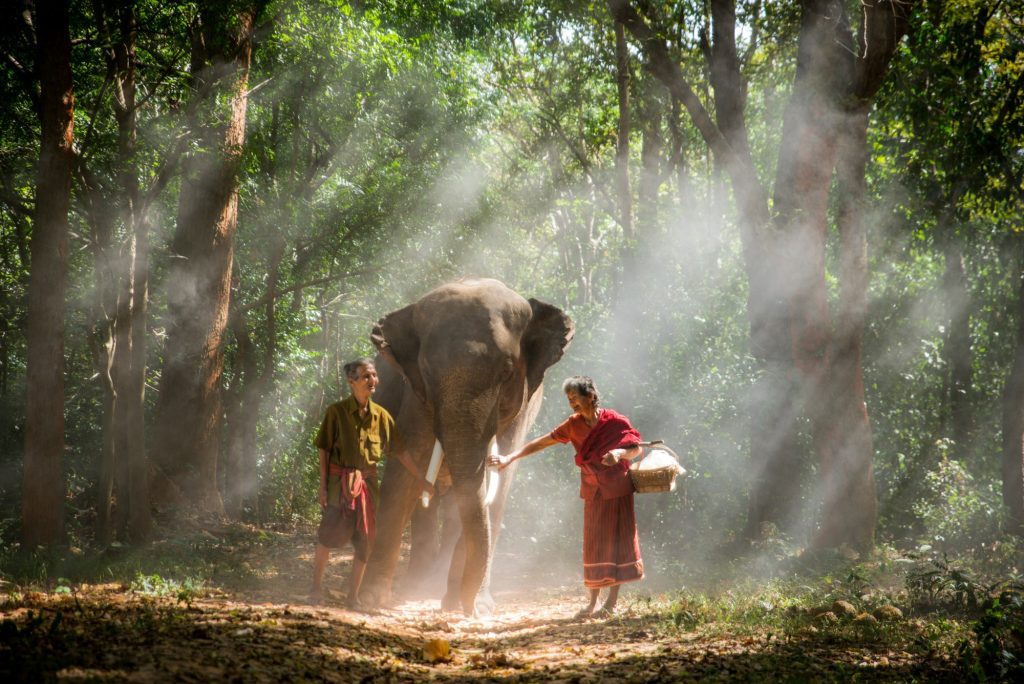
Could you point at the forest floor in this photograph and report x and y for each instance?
(245, 619)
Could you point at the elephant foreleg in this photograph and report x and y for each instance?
(423, 549)
(474, 542)
(398, 496)
(452, 555)
(452, 596)
(496, 511)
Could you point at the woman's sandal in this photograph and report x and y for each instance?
(583, 614)
(602, 613)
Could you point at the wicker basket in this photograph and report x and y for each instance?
(655, 479)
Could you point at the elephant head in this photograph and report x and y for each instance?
(468, 361)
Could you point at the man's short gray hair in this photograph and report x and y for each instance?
(583, 386)
(352, 368)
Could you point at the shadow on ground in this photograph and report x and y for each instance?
(256, 628)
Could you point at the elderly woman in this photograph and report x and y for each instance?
(605, 442)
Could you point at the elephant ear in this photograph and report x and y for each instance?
(397, 341)
(545, 341)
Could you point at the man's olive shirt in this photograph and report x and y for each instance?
(354, 441)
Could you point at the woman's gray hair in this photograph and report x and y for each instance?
(583, 386)
(352, 368)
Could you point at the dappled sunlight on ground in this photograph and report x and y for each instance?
(258, 627)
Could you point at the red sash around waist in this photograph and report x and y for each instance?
(355, 493)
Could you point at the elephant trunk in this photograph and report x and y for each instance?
(467, 463)
(492, 479)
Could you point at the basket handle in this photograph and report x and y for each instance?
(643, 452)
(653, 443)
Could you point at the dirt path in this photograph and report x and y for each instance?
(103, 633)
(263, 632)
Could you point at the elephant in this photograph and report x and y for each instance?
(459, 368)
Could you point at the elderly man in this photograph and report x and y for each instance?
(355, 435)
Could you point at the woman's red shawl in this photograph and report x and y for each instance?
(612, 431)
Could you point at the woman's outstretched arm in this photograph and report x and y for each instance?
(531, 447)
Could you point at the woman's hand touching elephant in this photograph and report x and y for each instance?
(501, 462)
(498, 461)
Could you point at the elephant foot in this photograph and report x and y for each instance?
(482, 606)
(450, 603)
(473, 608)
(375, 596)
(482, 609)
(485, 603)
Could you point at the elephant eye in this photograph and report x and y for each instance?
(506, 373)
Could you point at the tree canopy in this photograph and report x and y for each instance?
(789, 236)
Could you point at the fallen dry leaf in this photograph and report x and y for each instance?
(437, 651)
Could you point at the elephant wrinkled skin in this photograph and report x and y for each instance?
(462, 365)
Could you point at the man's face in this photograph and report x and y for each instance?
(365, 380)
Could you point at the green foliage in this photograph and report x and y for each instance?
(184, 591)
(954, 510)
(997, 650)
(938, 583)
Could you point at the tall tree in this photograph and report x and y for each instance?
(623, 192)
(1013, 423)
(43, 478)
(956, 126)
(187, 434)
(122, 289)
(254, 382)
(791, 332)
(950, 69)
(130, 377)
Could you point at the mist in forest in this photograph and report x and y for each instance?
(629, 339)
(660, 342)
(661, 323)
(664, 339)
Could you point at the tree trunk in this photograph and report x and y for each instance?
(237, 407)
(1013, 424)
(189, 407)
(121, 294)
(130, 359)
(105, 308)
(101, 215)
(623, 194)
(956, 344)
(790, 325)
(243, 412)
(649, 186)
(785, 267)
(691, 235)
(241, 482)
(850, 503)
(623, 294)
(132, 387)
(802, 182)
(43, 479)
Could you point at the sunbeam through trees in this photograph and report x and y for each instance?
(785, 238)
